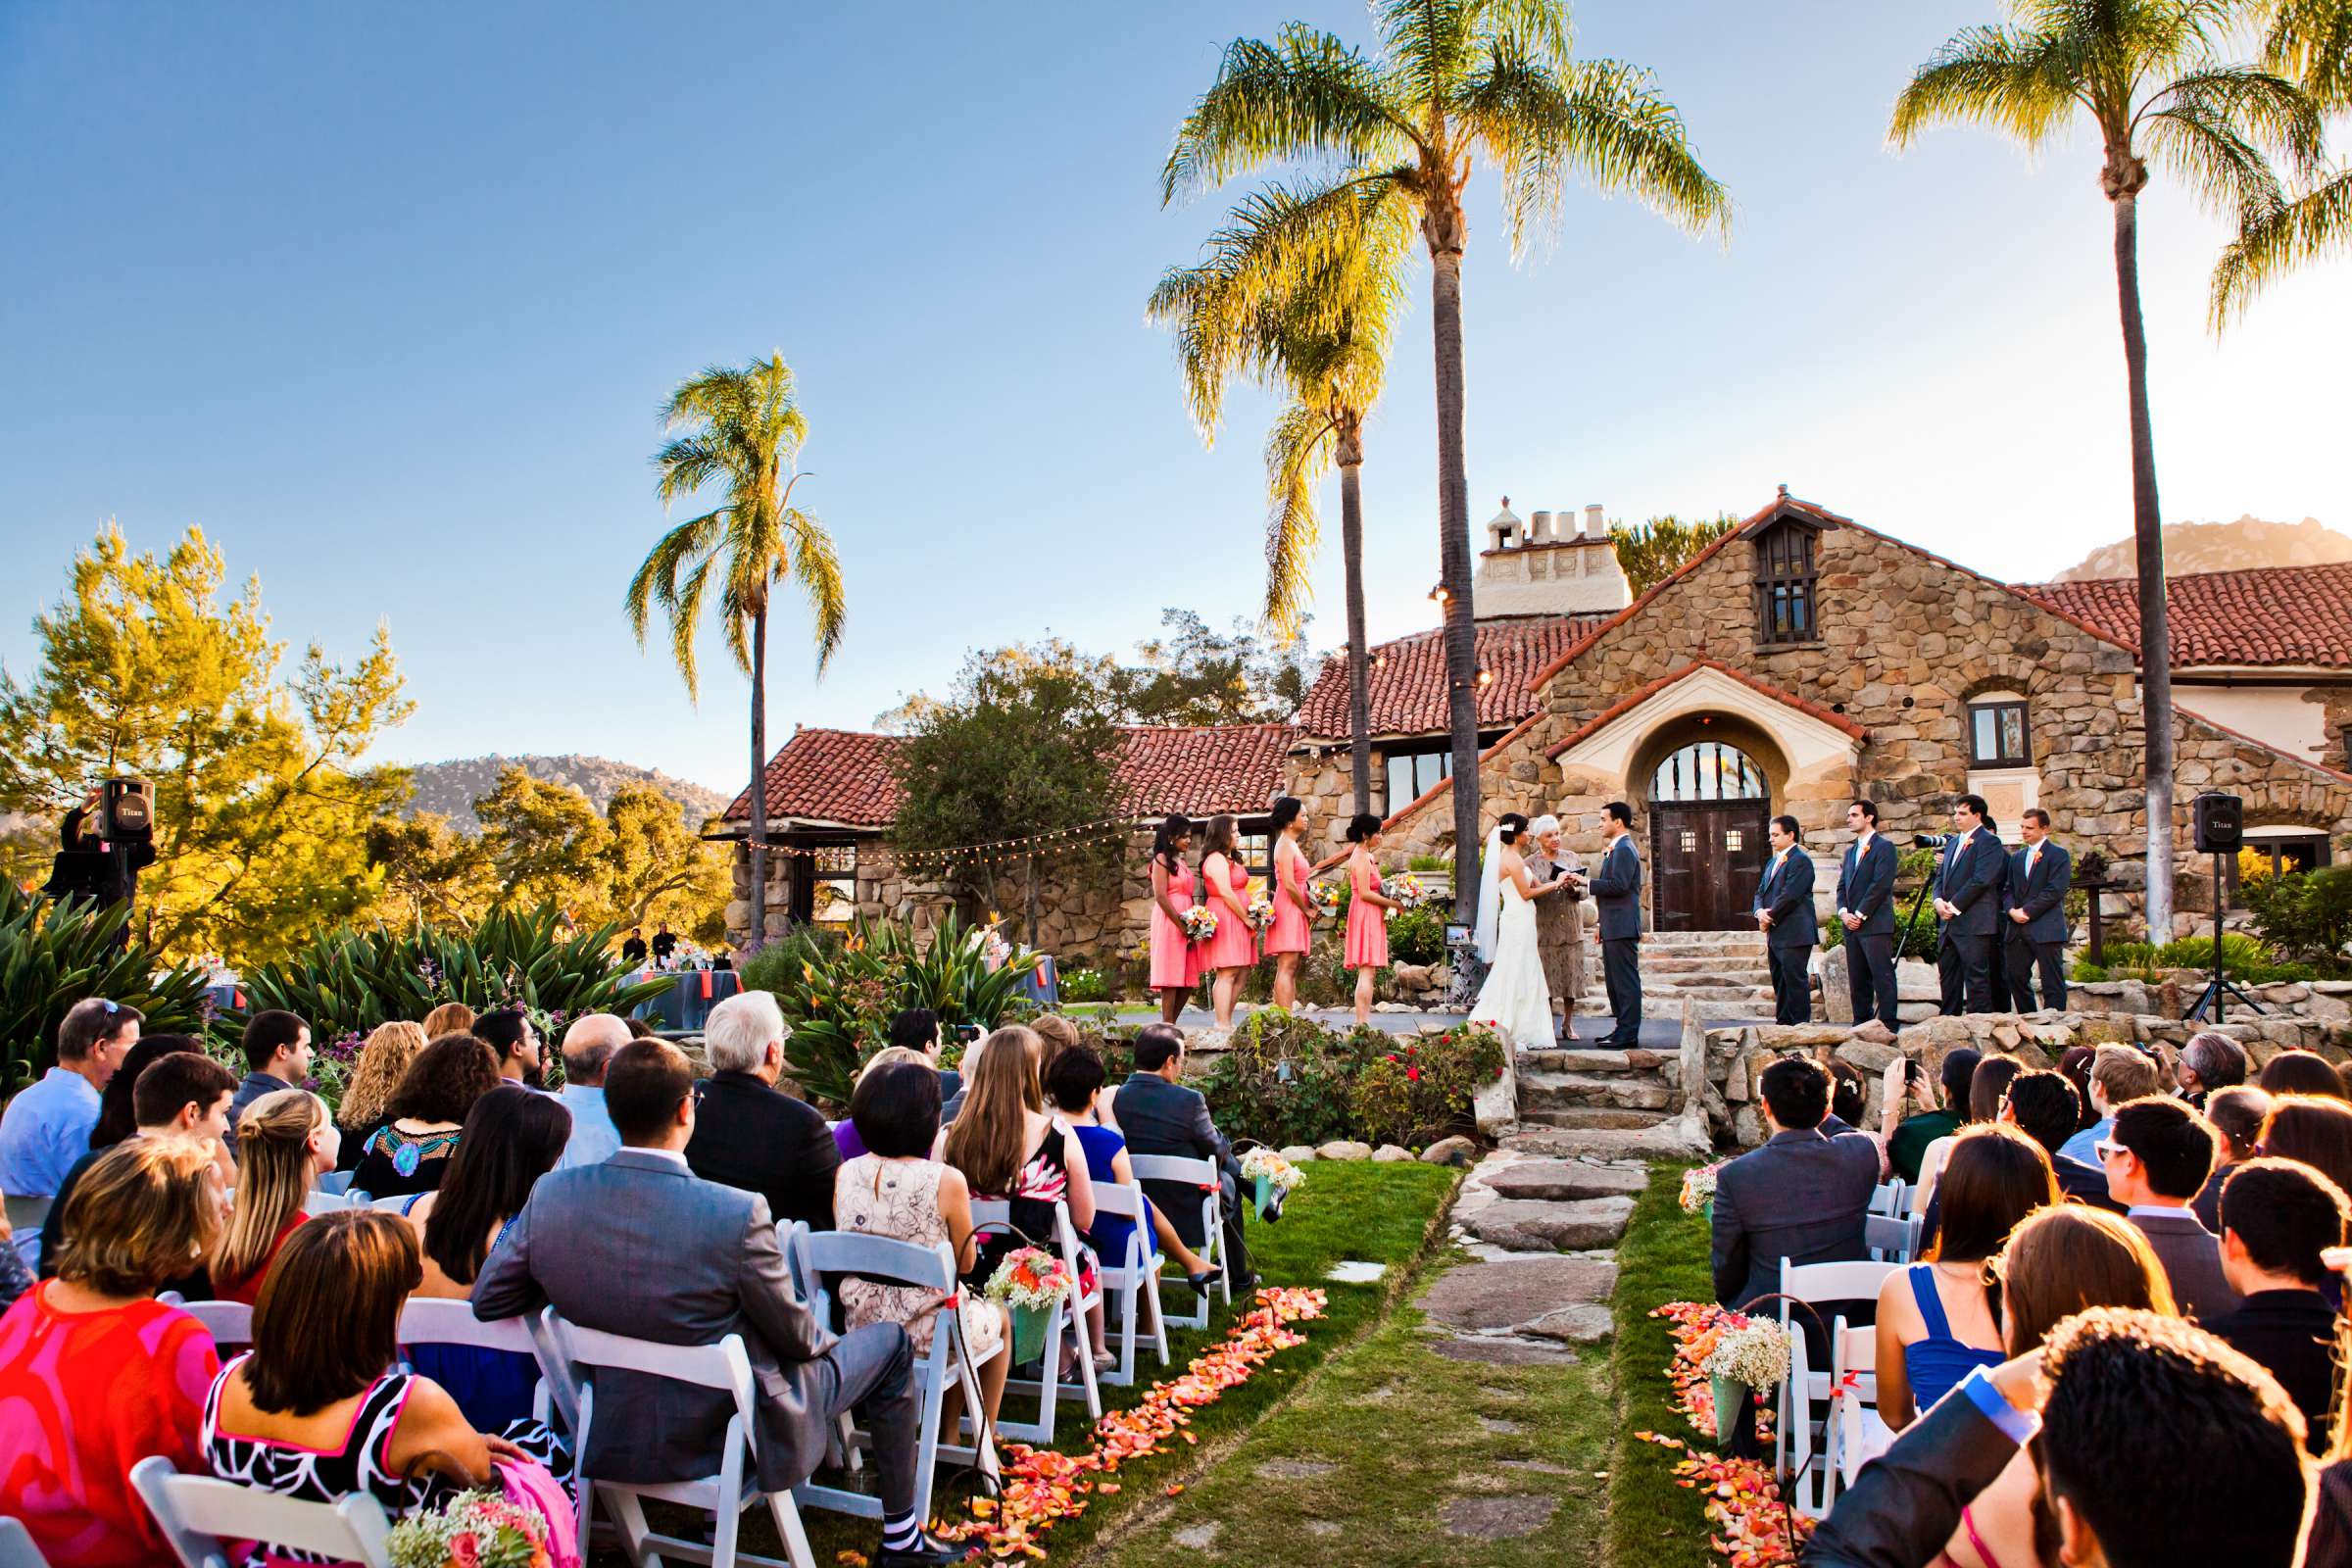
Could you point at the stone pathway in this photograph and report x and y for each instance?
(1541, 1236)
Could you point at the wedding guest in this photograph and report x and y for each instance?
(2075, 1061)
(2277, 1217)
(1866, 909)
(367, 1098)
(2238, 1113)
(1011, 1151)
(2118, 1073)
(1987, 1085)
(894, 1188)
(2034, 928)
(919, 1029)
(181, 1093)
(632, 946)
(277, 1057)
(2301, 1073)
(2313, 1129)
(2045, 1107)
(1783, 907)
(1290, 935)
(1937, 1319)
(47, 1126)
(409, 1153)
(588, 1045)
(2210, 1063)
(666, 942)
(748, 1133)
(1850, 1100)
(2330, 1540)
(1157, 1114)
(639, 1029)
(286, 1143)
(15, 1278)
(1972, 875)
(1366, 951)
(319, 1408)
(1175, 957)
(522, 1059)
(118, 1113)
(1909, 1141)
(1074, 1088)
(845, 1137)
(2157, 1156)
(449, 1018)
(1054, 1035)
(95, 1374)
(1229, 953)
(512, 1138)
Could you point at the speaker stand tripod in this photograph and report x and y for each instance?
(2219, 986)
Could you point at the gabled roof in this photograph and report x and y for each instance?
(1408, 677)
(842, 777)
(1635, 697)
(2301, 616)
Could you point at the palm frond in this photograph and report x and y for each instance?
(2015, 79)
(2255, 104)
(2214, 158)
(1427, 44)
(1305, 96)
(686, 464)
(2316, 225)
(1539, 30)
(671, 577)
(2311, 40)
(816, 567)
(1299, 454)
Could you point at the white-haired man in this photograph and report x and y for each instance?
(588, 1047)
(748, 1133)
(1559, 920)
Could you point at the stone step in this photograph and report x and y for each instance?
(1708, 991)
(1667, 1140)
(1594, 1118)
(1528, 1225)
(1590, 1060)
(1623, 1090)
(1674, 963)
(1596, 1004)
(1548, 1296)
(1557, 1180)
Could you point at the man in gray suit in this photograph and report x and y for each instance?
(1160, 1116)
(640, 1245)
(2040, 875)
(1617, 902)
(1785, 912)
(2157, 1156)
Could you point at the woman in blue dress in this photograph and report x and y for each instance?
(1075, 1083)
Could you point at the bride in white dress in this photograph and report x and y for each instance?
(1514, 1000)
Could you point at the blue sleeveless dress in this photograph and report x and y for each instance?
(1936, 1364)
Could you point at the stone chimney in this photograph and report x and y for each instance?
(1552, 564)
(1595, 529)
(1538, 531)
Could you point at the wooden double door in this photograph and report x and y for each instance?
(1706, 859)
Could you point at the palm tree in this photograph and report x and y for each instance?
(1453, 80)
(1302, 290)
(2149, 77)
(2311, 42)
(742, 430)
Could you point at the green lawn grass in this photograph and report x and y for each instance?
(1385, 1214)
(1654, 1523)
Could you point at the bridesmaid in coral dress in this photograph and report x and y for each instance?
(1287, 939)
(1175, 957)
(1367, 949)
(1225, 888)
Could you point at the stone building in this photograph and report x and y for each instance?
(1803, 660)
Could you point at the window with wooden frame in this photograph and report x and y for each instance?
(1998, 735)
(1788, 586)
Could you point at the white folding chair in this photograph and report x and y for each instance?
(228, 1322)
(195, 1511)
(338, 1182)
(397, 1204)
(818, 1254)
(724, 1493)
(1131, 1281)
(430, 1320)
(1891, 1237)
(1069, 1316)
(1856, 1434)
(1797, 1433)
(320, 1202)
(1202, 1174)
(1887, 1197)
(17, 1549)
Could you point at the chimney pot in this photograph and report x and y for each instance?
(1539, 531)
(1594, 527)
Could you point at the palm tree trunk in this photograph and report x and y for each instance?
(758, 778)
(2147, 533)
(1359, 657)
(1453, 568)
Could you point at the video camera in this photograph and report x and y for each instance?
(104, 843)
(1930, 841)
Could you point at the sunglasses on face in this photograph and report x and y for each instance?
(2108, 1148)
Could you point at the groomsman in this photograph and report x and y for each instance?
(1785, 912)
(1866, 909)
(1616, 889)
(2039, 875)
(1969, 880)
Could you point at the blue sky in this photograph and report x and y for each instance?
(385, 300)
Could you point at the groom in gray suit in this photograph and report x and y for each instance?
(642, 1246)
(1617, 898)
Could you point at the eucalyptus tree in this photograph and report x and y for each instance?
(2311, 42)
(1300, 290)
(741, 431)
(1451, 83)
(2150, 79)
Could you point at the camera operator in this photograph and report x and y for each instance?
(104, 872)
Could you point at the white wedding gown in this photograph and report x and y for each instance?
(1515, 1000)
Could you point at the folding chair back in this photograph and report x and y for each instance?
(1069, 1316)
(724, 1366)
(318, 1200)
(1891, 1238)
(427, 1320)
(1856, 1435)
(228, 1322)
(1131, 1280)
(194, 1513)
(1887, 1197)
(17, 1549)
(1204, 1175)
(1796, 1436)
(26, 1216)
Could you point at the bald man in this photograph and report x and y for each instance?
(588, 1045)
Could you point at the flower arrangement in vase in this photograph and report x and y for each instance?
(1031, 1282)
(1750, 1351)
(1699, 1188)
(1273, 1176)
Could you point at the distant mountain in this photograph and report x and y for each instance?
(451, 788)
(2221, 546)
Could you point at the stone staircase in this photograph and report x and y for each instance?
(1723, 974)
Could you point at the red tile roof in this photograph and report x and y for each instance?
(1408, 677)
(844, 776)
(2262, 615)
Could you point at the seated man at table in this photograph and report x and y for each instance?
(749, 1133)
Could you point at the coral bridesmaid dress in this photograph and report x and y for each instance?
(1289, 933)
(1175, 961)
(1235, 945)
(1367, 925)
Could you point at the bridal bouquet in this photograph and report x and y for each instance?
(473, 1530)
(1199, 923)
(1328, 894)
(1408, 891)
(1261, 908)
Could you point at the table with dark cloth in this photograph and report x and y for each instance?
(686, 1006)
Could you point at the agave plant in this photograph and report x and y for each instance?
(54, 953)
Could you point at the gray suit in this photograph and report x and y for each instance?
(642, 1246)
(1158, 1117)
(1617, 901)
(1802, 1197)
(2192, 1256)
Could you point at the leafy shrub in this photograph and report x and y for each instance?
(1919, 944)
(53, 955)
(1287, 1080)
(1417, 936)
(1085, 985)
(2307, 916)
(2244, 958)
(1429, 863)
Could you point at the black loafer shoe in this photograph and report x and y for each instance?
(929, 1554)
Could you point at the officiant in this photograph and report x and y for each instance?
(1559, 921)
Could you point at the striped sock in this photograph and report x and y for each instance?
(903, 1531)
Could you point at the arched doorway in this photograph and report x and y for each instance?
(1708, 802)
